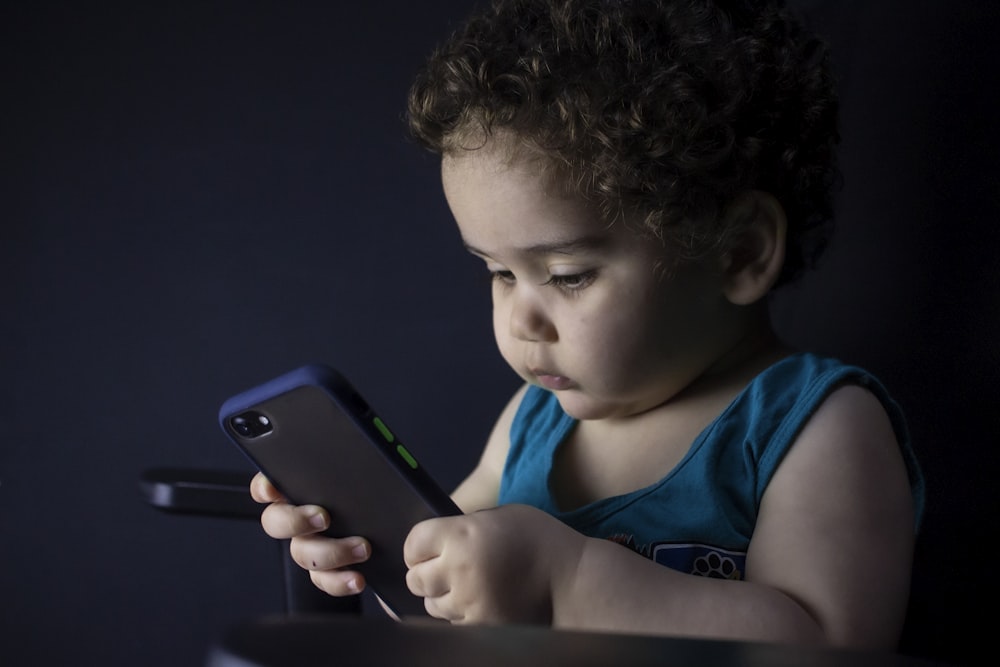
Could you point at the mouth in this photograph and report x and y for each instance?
(551, 380)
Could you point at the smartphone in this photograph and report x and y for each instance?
(320, 443)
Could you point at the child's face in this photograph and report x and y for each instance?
(581, 307)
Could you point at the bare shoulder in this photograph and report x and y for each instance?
(836, 524)
(481, 488)
(850, 434)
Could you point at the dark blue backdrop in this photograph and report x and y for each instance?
(195, 197)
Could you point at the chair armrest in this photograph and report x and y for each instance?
(219, 493)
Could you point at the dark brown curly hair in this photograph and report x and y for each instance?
(665, 109)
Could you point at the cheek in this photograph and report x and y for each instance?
(617, 323)
(621, 339)
(501, 327)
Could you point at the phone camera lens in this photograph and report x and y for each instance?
(251, 424)
(240, 426)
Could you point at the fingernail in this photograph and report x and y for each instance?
(360, 551)
(316, 518)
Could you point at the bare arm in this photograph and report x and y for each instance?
(829, 561)
(480, 489)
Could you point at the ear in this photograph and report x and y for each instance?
(753, 261)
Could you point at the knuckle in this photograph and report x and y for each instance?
(414, 583)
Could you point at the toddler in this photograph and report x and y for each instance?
(638, 176)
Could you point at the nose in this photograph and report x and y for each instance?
(529, 320)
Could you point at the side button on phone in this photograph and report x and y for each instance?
(407, 456)
(384, 430)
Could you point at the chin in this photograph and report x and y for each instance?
(585, 408)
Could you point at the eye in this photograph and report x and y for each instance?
(572, 282)
(503, 276)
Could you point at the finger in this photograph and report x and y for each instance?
(282, 521)
(424, 541)
(313, 552)
(441, 608)
(338, 583)
(262, 490)
(426, 580)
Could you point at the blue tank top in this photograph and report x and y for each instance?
(700, 517)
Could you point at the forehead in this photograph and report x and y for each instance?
(500, 200)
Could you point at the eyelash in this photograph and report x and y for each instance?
(568, 283)
(502, 277)
(573, 282)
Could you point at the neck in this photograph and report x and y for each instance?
(753, 351)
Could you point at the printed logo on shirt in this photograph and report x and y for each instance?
(700, 559)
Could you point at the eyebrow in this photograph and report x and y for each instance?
(556, 248)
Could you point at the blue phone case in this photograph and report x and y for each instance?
(318, 441)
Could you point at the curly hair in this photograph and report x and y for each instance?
(665, 109)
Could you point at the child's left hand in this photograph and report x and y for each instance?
(498, 565)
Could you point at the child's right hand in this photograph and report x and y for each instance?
(324, 557)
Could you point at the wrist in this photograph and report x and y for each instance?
(564, 584)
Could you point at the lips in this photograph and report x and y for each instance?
(551, 381)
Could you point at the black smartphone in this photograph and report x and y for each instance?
(320, 443)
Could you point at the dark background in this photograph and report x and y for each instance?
(195, 197)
